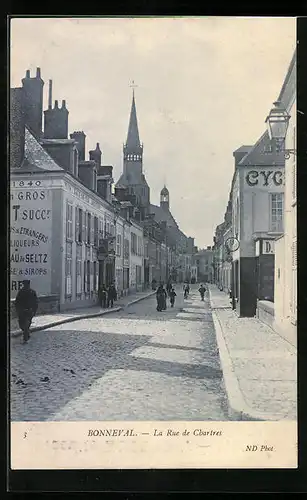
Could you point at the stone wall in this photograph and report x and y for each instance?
(265, 312)
(47, 304)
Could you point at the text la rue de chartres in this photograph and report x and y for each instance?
(156, 432)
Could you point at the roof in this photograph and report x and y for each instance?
(164, 191)
(133, 139)
(243, 149)
(260, 155)
(58, 141)
(36, 157)
(162, 215)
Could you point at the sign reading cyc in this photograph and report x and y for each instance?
(254, 177)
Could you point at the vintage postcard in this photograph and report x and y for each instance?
(153, 240)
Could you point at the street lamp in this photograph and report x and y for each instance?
(277, 123)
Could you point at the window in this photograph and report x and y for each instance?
(133, 243)
(68, 268)
(88, 236)
(126, 249)
(78, 270)
(277, 212)
(96, 231)
(78, 225)
(108, 229)
(69, 216)
(118, 245)
(87, 276)
(96, 268)
(138, 271)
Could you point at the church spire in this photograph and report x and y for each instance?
(133, 138)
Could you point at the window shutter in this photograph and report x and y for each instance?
(67, 208)
(76, 224)
(92, 230)
(82, 222)
(85, 226)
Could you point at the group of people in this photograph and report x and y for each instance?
(162, 294)
(107, 295)
(26, 301)
(169, 291)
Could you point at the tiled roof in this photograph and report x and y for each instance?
(36, 157)
(162, 215)
(260, 155)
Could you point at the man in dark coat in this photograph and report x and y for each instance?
(172, 295)
(112, 295)
(26, 306)
(161, 298)
(103, 296)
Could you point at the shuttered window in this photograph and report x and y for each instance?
(69, 221)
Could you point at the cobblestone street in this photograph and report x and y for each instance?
(136, 364)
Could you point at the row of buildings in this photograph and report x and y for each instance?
(71, 229)
(254, 253)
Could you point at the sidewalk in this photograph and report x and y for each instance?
(44, 321)
(259, 366)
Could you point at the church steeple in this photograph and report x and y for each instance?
(133, 149)
(133, 138)
(132, 176)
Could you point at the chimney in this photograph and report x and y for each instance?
(96, 155)
(240, 153)
(87, 174)
(55, 119)
(17, 128)
(79, 137)
(104, 181)
(50, 95)
(33, 102)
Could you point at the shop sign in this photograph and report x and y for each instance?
(268, 247)
(264, 178)
(30, 239)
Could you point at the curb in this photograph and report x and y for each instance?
(18, 333)
(237, 407)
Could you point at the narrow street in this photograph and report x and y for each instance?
(136, 364)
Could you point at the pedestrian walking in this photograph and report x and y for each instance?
(26, 304)
(202, 290)
(186, 289)
(169, 288)
(154, 284)
(161, 298)
(111, 295)
(172, 295)
(103, 296)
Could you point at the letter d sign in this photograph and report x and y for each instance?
(267, 247)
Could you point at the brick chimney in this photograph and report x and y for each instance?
(55, 119)
(33, 102)
(79, 136)
(17, 128)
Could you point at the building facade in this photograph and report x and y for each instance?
(285, 301)
(257, 200)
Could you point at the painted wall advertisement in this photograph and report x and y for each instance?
(30, 236)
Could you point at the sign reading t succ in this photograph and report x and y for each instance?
(30, 238)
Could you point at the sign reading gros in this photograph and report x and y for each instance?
(264, 178)
(30, 241)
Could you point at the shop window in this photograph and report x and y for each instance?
(277, 209)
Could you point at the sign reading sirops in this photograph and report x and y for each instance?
(31, 225)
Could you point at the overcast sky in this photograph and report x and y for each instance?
(205, 86)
